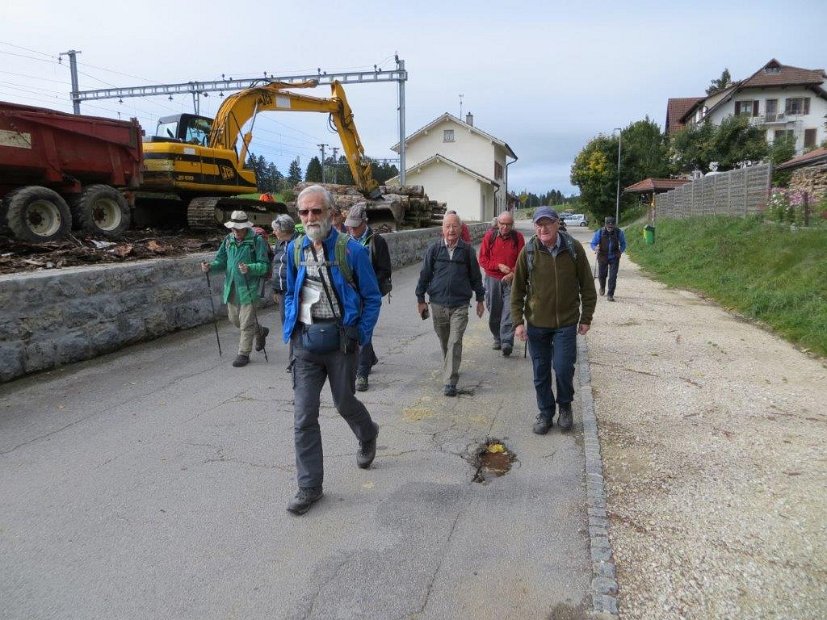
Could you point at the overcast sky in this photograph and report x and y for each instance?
(545, 77)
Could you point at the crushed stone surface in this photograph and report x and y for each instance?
(712, 432)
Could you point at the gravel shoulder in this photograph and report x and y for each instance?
(712, 432)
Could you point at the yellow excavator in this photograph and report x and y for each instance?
(195, 161)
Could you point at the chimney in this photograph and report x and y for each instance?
(469, 119)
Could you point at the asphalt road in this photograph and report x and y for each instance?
(152, 483)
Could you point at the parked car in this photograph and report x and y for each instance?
(575, 219)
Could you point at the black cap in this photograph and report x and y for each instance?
(609, 220)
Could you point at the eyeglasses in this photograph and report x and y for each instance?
(306, 212)
(546, 224)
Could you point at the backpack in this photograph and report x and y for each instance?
(495, 234)
(531, 246)
(339, 256)
(385, 285)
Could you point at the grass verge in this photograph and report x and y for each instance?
(763, 271)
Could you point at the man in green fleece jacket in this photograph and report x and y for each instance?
(243, 257)
(554, 292)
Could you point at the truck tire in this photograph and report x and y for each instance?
(38, 214)
(102, 211)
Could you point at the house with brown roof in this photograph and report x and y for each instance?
(676, 109)
(459, 164)
(784, 100)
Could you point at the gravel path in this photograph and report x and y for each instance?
(712, 432)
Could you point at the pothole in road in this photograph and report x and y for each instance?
(493, 459)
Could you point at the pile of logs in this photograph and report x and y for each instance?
(399, 208)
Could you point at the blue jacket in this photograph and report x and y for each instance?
(361, 302)
(609, 246)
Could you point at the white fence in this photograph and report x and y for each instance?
(738, 192)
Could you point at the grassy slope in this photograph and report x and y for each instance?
(763, 271)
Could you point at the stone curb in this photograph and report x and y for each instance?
(604, 577)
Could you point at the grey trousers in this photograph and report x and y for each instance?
(309, 374)
(498, 302)
(449, 325)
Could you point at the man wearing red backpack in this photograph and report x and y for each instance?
(498, 256)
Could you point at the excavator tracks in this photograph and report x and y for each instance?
(201, 214)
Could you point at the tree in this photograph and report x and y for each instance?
(314, 171)
(343, 174)
(294, 173)
(782, 149)
(716, 86)
(732, 142)
(594, 171)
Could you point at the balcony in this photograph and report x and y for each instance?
(771, 119)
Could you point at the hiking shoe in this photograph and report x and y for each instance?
(507, 350)
(611, 298)
(261, 338)
(367, 450)
(496, 346)
(602, 291)
(241, 360)
(304, 499)
(542, 424)
(565, 420)
(375, 361)
(450, 390)
(361, 384)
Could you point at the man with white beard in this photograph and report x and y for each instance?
(330, 308)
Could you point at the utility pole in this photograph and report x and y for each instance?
(335, 150)
(73, 70)
(617, 203)
(321, 149)
(460, 105)
(400, 67)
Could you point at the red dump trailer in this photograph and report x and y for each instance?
(59, 169)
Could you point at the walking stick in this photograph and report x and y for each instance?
(214, 318)
(255, 314)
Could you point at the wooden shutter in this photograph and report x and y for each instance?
(755, 108)
(806, 105)
(737, 108)
(809, 138)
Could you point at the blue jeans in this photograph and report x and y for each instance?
(558, 348)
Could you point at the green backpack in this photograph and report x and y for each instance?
(339, 256)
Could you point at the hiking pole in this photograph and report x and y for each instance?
(214, 318)
(255, 314)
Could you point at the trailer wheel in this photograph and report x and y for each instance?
(38, 214)
(103, 210)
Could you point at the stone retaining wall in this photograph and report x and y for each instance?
(55, 317)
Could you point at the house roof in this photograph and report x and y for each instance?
(450, 162)
(676, 108)
(654, 185)
(818, 156)
(446, 116)
(772, 74)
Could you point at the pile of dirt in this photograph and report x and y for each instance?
(20, 256)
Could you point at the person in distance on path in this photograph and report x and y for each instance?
(450, 276)
(243, 258)
(498, 255)
(553, 291)
(608, 243)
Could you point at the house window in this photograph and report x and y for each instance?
(797, 105)
(809, 138)
(498, 171)
(447, 135)
(772, 110)
(781, 134)
(747, 108)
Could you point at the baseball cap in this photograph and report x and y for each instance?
(546, 212)
(357, 215)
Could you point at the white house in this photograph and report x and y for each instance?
(785, 100)
(459, 164)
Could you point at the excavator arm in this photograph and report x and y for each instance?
(243, 106)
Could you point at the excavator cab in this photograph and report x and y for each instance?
(184, 128)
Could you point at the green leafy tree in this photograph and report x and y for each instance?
(716, 86)
(294, 173)
(594, 171)
(314, 171)
(692, 148)
(737, 140)
(781, 150)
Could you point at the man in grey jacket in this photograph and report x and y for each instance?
(450, 276)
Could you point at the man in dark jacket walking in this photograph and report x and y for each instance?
(284, 228)
(608, 243)
(553, 291)
(450, 276)
(380, 258)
